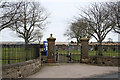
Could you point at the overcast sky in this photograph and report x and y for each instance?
(62, 12)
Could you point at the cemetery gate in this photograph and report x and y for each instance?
(68, 53)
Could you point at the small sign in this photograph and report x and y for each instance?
(45, 45)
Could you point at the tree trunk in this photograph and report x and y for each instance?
(100, 49)
(26, 41)
(78, 41)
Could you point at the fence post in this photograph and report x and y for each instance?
(84, 49)
(51, 49)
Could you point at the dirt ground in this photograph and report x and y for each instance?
(75, 70)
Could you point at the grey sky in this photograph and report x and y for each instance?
(62, 12)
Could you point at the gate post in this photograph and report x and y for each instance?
(51, 49)
(84, 49)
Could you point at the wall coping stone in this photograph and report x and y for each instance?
(113, 57)
(6, 66)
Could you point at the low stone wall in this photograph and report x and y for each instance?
(106, 61)
(22, 69)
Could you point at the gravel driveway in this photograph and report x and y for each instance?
(75, 70)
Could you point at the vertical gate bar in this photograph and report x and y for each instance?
(8, 54)
(5, 54)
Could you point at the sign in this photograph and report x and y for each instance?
(45, 45)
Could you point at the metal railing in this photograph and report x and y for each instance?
(107, 50)
(14, 53)
(68, 54)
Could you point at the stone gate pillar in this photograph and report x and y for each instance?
(84, 49)
(51, 49)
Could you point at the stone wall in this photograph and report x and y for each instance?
(22, 69)
(106, 61)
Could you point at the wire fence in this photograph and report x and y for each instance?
(14, 53)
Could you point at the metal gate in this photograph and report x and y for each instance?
(68, 53)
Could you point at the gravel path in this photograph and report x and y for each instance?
(75, 70)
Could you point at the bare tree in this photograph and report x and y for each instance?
(98, 18)
(78, 29)
(110, 40)
(114, 7)
(8, 14)
(30, 16)
(37, 34)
